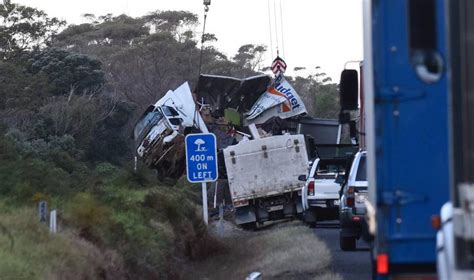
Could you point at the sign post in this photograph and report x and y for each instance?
(201, 163)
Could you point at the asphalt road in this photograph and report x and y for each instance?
(354, 265)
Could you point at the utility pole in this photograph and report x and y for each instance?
(206, 9)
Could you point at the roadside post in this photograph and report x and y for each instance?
(201, 163)
(53, 221)
(43, 211)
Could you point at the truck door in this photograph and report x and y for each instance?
(411, 146)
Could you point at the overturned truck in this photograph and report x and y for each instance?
(258, 156)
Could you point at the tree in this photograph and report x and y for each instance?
(16, 85)
(68, 71)
(320, 97)
(177, 23)
(250, 56)
(106, 31)
(76, 115)
(23, 29)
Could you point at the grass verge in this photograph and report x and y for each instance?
(29, 251)
(286, 251)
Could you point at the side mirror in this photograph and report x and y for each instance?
(349, 90)
(340, 179)
(302, 178)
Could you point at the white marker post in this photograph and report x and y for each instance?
(201, 163)
(52, 222)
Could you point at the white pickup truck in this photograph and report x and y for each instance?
(263, 178)
(321, 192)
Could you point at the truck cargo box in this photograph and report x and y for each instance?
(266, 167)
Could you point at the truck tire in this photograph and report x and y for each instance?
(347, 243)
(310, 217)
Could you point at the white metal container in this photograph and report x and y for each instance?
(266, 167)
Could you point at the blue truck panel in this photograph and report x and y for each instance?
(411, 139)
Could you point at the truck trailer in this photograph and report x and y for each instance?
(405, 109)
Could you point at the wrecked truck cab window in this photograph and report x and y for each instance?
(149, 118)
(175, 121)
(169, 111)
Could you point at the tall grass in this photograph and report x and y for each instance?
(29, 251)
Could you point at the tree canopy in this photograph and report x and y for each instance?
(24, 28)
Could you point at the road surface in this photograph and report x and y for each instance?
(353, 265)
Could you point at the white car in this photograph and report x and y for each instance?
(353, 207)
(320, 194)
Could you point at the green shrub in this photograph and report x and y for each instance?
(145, 248)
(106, 169)
(89, 216)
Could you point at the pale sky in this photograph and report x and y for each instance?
(324, 33)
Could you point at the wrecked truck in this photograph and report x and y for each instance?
(263, 178)
(259, 159)
(159, 133)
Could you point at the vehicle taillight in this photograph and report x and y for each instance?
(350, 190)
(382, 264)
(350, 201)
(311, 188)
(436, 222)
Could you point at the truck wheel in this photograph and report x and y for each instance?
(347, 243)
(310, 218)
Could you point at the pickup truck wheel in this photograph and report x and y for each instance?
(347, 243)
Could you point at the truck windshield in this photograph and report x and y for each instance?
(169, 111)
(151, 117)
(362, 170)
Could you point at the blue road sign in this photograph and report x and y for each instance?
(201, 157)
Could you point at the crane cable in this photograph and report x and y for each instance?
(270, 28)
(282, 31)
(275, 30)
(276, 27)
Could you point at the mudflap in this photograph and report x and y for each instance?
(299, 205)
(310, 215)
(244, 215)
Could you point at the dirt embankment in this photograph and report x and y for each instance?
(286, 250)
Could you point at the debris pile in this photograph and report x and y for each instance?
(233, 109)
